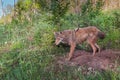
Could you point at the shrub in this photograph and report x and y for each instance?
(59, 8)
(44, 35)
(112, 39)
(116, 14)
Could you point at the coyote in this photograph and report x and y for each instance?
(89, 34)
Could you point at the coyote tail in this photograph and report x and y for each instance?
(101, 35)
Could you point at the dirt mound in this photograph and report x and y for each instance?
(106, 59)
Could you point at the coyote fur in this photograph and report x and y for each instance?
(89, 34)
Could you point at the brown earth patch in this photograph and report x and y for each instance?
(106, 59)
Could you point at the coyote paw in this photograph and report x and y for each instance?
(68, 59)
(93, 54)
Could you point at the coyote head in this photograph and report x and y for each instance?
(60, 37)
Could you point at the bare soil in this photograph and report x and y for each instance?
(106, 59)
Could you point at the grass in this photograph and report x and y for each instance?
(27, 51)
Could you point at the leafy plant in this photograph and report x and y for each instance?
(116, 21)
(59, 8)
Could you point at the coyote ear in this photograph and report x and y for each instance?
(60, 32)
(76, 29)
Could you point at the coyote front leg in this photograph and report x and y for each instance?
(92, 46)
(72, 48)
(97, 47)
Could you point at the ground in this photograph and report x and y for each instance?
(106, 59)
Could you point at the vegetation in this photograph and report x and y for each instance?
(27, 50)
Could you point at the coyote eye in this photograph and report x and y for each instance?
(59, 38)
